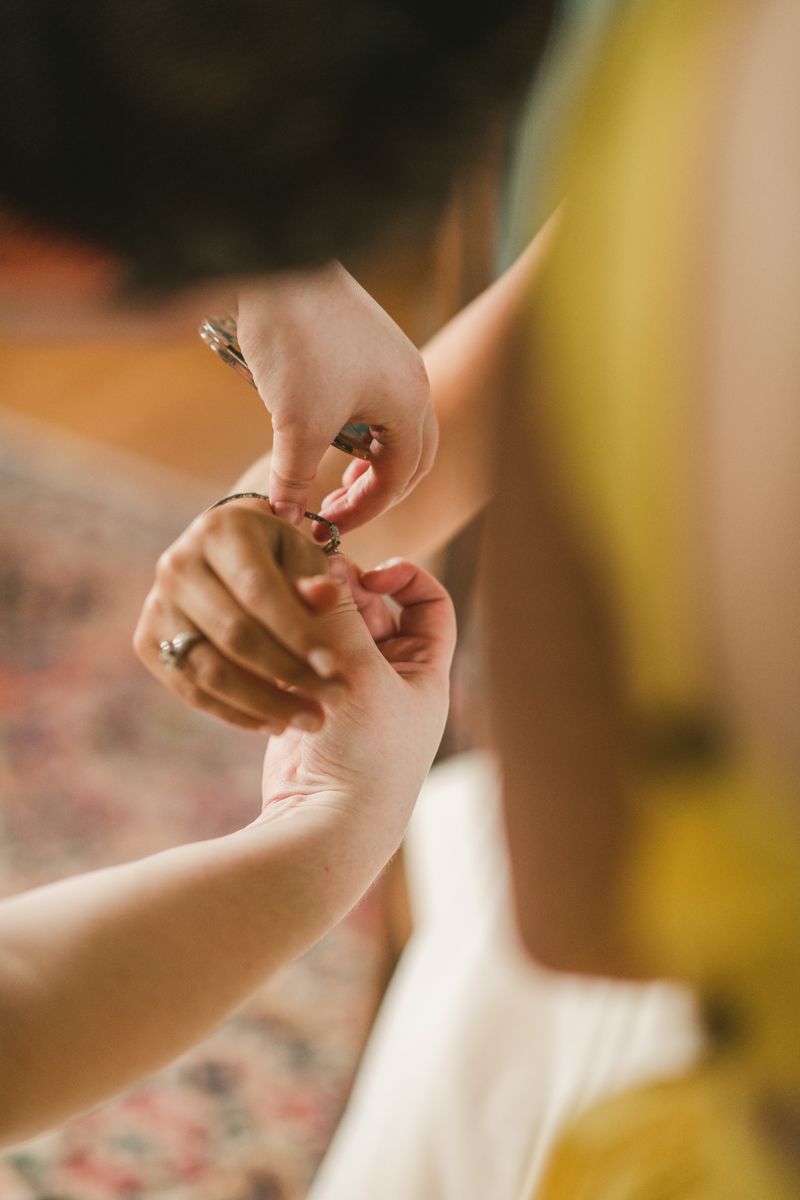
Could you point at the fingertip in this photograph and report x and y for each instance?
(323, 661)
(319, 592)
(307, 722)
(338, 568)
(271, 729)
(287, 511)
(390, 562)
(364, 500)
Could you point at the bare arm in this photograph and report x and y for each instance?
(108, 976)
(556, 713)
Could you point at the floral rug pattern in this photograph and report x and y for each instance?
(99, 764)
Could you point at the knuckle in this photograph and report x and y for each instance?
(240, 518)
(250, 586)
(194, 696)
(294, 673)
(237, 636)
(152, 611)
(141, 642)
(219, 519)
(420, 390)
(290, 482)
(234, 515)
(210, 674)
(170, 563)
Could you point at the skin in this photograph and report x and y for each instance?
(106, 977)
(228, 576)
(471, 365)
(325, 355)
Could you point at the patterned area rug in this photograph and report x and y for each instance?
(99, 764)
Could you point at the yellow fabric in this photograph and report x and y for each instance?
(713, 891)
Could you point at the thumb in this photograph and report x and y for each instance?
(360, 617)
(296, 457)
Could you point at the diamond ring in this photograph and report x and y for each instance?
(174, 654)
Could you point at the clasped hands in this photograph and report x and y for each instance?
(271, 609)
(279, 648)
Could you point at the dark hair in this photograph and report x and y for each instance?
(196, 138)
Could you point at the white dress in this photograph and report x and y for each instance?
(478, 1057)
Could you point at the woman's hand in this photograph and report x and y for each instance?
(106, 977)
(323, 354)
(254, 588)
(373, 753)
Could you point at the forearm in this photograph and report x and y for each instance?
(472, 364)
(558, 715)
(106, 977)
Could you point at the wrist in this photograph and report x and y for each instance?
(349, 827)
(269, 298)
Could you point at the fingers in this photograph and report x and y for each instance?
(356, 467)
(430, 444)
(257, 592)
(373, 611)
(426, 631)
(248, 607)
(427, 623)
(400, 457)
(212, 608)
(212, 683)
(322, 354)
(320, 594)
(395, 458)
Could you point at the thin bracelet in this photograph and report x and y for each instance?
(330, 546)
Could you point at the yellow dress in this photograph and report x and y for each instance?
(712, 893)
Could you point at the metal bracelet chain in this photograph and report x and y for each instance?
(330, 546)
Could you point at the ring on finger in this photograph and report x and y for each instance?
(175, 653)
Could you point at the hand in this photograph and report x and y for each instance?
(323, 353)
(180, 939)
(254, 588)
(374, 751)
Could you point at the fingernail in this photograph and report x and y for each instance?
(390, 562)
(288, 512)
(272, 729)
(323, 661)
(338, 568)
(308, 722)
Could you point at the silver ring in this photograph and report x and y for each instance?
(174, 654)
